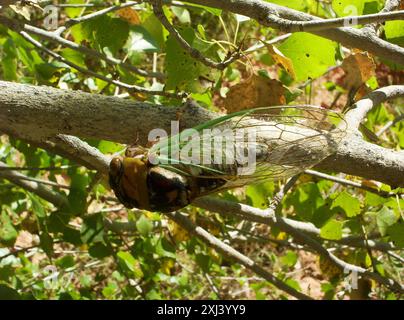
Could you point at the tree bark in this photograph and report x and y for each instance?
(40, 114)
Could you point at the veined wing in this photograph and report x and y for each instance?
(253, 145)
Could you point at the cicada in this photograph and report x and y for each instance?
(234, 150)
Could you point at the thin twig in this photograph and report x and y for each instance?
(233, 254)
(51, 168)
(54, 37)
(346, 182)
(320, 24)
(128, 87)
(194, 53)
(35, 187)
(389, 124)
(71, 22)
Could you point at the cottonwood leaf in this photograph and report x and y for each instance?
(359, 67)
(311, 55)
(254, 92)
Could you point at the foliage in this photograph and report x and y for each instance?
(95, 249)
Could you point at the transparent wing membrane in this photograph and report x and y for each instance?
(254, 145)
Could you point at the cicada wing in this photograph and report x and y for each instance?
(257, 145)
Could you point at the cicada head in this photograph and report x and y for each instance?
(138, 184)
(128, 179)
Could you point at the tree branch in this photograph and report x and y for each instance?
(233, 254)
(40, 113)
(128, 87)
(317, 25)
(18, 27)
(360, 109)
(194, 53)
(264, 12)
(33, 186)
(268, 217)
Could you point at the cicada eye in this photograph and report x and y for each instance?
(115, 166)
(132, 152)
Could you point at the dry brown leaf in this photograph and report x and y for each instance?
(281, 60)
(130, 15)
(22, 10)
(254, 92)
(359, 67)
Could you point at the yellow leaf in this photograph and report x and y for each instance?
(281, 60)
(167, 265)
(177, 232)
(130, 15)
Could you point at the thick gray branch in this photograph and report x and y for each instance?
(41, 113)
(267, 13)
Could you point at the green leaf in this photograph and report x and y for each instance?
(46, 242)
(153, 295)
(344, 8)
(110, 290)
(92, 229)
(182, 14)
(37, 207)
(332, 230)
(300, 5)
(203, 261)
(155, 29)
(258, 194)
(73, 56)
(310, 61)
(74, 12)
(8, 234)
(7, 293)
(129, 263)
(144, 225)
(109, 147)
(394, 31)
(385, 218)
(100, 250)
(9, 67)
(396, 233)
(99, 33)
(140, 40)
(78, 192)
(373, 199)
(289, 259)
(323, 213)
(293, 283)
(65, 262)
(348, 203)
(183, 71)
(9, 61)
(306, 200)
(165, 249)
(214, 11)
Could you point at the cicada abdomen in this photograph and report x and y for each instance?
(242, 148)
